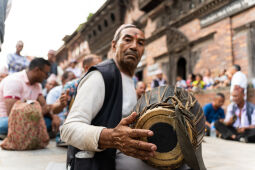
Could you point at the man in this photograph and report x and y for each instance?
(239, 123)
(50, 84)
(105, 96)
(5, 6)
(25, 85)
(16, 62)
(55, 93)
(159, 81)
(180, 82)
(140, 89)
(67, 97)
(214, 112)
(238, 80)
(74, 69)
(52, 60)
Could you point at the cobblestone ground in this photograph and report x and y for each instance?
(218, 155)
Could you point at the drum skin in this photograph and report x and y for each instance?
(174, 115)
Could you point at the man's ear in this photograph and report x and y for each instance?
(114, 46)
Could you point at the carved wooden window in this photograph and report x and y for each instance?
(94, 32)
(99, 28)
(89, 36)
(112, 17)
(105, 23)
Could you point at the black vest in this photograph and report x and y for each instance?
(109, 116)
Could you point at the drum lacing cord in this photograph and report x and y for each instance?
(184, 112)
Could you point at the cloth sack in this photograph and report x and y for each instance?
(26, 127)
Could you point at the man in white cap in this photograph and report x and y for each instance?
(159, 81)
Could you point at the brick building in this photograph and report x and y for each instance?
(182, 36)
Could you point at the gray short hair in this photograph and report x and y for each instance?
(122, 27)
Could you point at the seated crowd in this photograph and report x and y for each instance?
(21, 92)
(207, 81)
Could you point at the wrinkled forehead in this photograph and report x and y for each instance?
(133, 32)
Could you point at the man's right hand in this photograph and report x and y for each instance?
(126, 140)
(63, 98)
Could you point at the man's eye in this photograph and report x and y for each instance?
(127, 39)
(141, 43)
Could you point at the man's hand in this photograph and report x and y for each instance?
(55, 123)
(231, 121)
(63, 98)
(126, 140)
(241, 130)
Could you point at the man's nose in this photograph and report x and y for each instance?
(134, 46)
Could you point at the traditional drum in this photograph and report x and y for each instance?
(178, 123)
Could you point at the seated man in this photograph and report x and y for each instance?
(140, 89)
(66, 99)
(50, 84)
(55, 93)
(214, 112)
(239, 123)
(25, 85)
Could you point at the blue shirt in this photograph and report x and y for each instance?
(211, 114)
(16, 63)
(53, 95)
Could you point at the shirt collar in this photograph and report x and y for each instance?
(25, 77)
(244, 106)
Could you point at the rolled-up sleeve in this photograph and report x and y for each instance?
(77, 129)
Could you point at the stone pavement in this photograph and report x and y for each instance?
(43, 159)
(218, 155)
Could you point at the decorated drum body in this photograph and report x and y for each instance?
(178, 123)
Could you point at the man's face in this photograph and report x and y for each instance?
(49, 85)
(70, 77)
(42, 74)
(129, 49)
(140, 90)
(238, 96)
(218, 101)
(19, 47)
(160, 76)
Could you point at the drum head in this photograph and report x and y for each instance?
(162, 122)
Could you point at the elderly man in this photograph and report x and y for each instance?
(140, 89)
(16, 62)
(52, 60)
(239, 123)
(159, 80)
(25, 85)
(97, 126)
(238, 80)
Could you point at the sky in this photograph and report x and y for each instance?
(41, 24)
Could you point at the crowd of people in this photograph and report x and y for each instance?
(198, 82)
